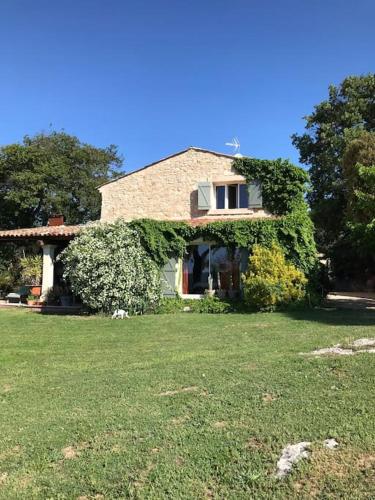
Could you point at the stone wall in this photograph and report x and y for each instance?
(167, 190)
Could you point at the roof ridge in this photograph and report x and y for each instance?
(195, 148)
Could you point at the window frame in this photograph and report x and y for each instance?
(226, 197)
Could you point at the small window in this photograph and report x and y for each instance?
(243, 196)
(232, 196)
(220, 196)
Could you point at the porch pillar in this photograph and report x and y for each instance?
(48, 269)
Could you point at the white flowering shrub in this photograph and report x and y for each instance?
(108, 269)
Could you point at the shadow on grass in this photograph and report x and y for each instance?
(331, 316)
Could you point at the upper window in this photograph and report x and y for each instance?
(231, 196)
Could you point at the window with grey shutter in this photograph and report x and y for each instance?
(255, 195)
(169, 273)
(204, 195)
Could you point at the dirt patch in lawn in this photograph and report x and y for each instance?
(12, 452)
(268, 398)
(3, 477)
(7, 388)
(192, 388)
(340, 465)
(71, 452)
(220, 424)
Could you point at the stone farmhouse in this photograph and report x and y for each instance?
(196, 186)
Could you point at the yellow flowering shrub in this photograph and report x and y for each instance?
(271, 281)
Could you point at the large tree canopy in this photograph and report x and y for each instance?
(359, 177)
(53, 173)
(350, 106)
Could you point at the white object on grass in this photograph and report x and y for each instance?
(120, 314)
(331, 443)
(291, 454)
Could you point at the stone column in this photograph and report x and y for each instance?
(48, 269)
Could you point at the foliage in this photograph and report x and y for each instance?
(350, 107)
(31, 269)
(356, 243)
(6, 281)
(293, 232)
(359, 176)
(52, 173)
(208, 305)
(108, 268)
(283, 184)
(160, 239)
(270, 281)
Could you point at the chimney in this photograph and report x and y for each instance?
(56, 220)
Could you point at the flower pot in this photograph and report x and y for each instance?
(36, 290)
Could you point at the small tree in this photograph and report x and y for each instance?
(31, 269)
(270, 281)
(108, 268)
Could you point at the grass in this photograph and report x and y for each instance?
(183, 406)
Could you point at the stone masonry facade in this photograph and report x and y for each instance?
(167, 190)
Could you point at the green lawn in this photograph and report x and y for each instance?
(183, 406)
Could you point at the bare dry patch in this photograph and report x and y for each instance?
(339, 465)
(154, 451)
(268, 398)
(143, 475)
(220, 424)
(255, 443)
(12, 452)
(249, 367)
(95, 497)
(208, 493)
(192, 388)
(71, 452)
(179, 461)
(7, 388)
(3, 477)
(179, 420)
(366, 461)
(24, 481)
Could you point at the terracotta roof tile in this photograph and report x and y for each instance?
(41, 232)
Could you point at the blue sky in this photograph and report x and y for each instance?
(157, 76)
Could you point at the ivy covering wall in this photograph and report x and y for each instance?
(283, 188)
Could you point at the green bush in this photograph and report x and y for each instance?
(271, 281)
(208, 305)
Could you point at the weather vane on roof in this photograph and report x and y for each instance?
(236, 145)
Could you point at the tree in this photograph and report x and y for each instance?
(350, 106)
(359, 176)
(353, 253)
(53, 173)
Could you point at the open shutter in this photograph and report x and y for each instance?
(168, 275)
(204, 195)
(255, 195)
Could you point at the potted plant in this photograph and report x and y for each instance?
(32, 300)
(31, 273)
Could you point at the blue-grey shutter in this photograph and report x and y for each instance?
(255, 195)
(204, 195)
(168, 275)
